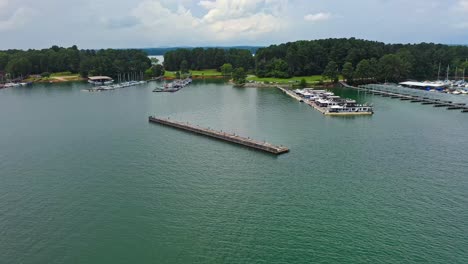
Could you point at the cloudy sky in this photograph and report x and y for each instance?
(155, 23)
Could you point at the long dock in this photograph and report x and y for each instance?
(411, 98)
(264, 146)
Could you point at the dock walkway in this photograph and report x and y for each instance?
(373, 89)
(264, 146)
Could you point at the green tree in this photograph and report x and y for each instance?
(184, 66)
(347, 71)
(303, 83)
(177, 75)
(363, 70)
(154, 61)
(158, 70)
(278, 68)
(331, 71)
(393, 68)
(19, 66)
(373, 68)
(239, 76)
(3, 60)
(226, 69)
(149, 73)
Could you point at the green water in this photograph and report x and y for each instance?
(84, 178)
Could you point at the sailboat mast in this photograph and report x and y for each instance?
(448, 69)
(438, 73)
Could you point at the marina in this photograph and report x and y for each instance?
(114, 86)
(328, 103)
(405, 94)
(455, 87)
(174, 86)
(233, 138)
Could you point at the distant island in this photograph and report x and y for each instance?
(300, 62)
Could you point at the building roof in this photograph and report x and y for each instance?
(98, 78)
(422, 84)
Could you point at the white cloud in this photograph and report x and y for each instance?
(160, 24)
(3, 3)
(17, 19)
(228, 9)
(462, 25)
(121, 22)
(222, 20)
(145, 23)
(463, 4)
(317, 17)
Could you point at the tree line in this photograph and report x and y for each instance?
(162, 51)
(364, 59)
(355, 59)
(211, 58)
(110, 62)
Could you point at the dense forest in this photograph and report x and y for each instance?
(353, 58)
(163, 51)
(211, 58)
(86, 62)
(364, 59)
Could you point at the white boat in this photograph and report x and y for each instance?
(7, 85)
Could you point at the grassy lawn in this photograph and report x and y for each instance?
(62, 74)
(214, 73)
(207, 73)
(57, 77)
(309, 79)
(210, 72)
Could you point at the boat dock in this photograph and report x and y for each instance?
(377, 90)
(323, 110)
(154, 79)
(173, 87)
(114, 86)
(233, 138)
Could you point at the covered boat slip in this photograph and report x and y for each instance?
(100, 80)
(422, 85)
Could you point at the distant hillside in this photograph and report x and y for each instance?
(162, 51)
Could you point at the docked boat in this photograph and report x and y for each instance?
(328, 103)
(11, 84)
(173, 86)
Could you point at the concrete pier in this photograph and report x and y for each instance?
(264, 146)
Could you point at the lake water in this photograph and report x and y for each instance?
(86, 179)
(159, 57)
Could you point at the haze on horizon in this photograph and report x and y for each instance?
(154, 23)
